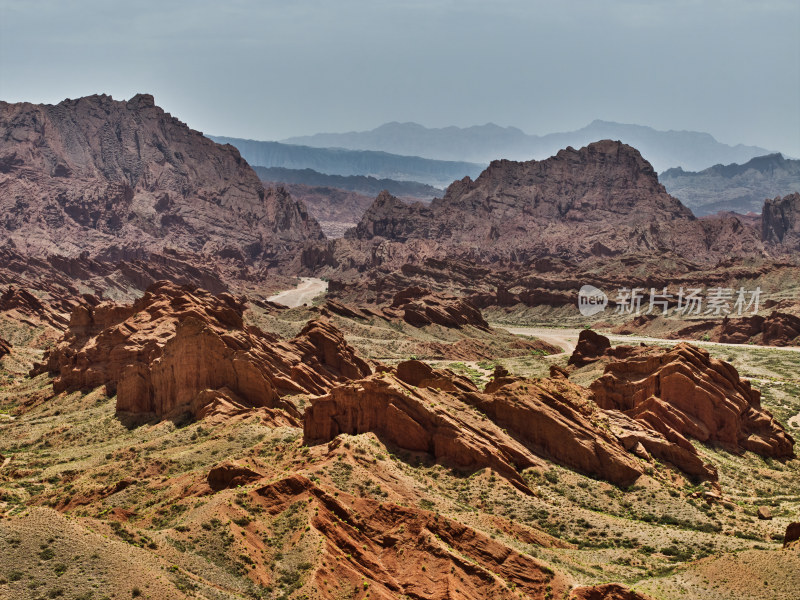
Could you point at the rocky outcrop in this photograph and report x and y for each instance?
(776, 329)
(554, 419)
(684, 393)
(230, 475)
(5, 347)
(511, 426)
(113, 178)
(162, 354)
(29, 306)
(420, 307)
(322, 347)
(764, 513)
(398, 551)
(606, 591)
(601, 201)
(420, 374)
(591, 346)
(780, 223)
(419, 420)
(638, 438)
(792, 534)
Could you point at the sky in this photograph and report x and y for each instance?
(272, 69)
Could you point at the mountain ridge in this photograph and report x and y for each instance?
(341, 161)
(601, 201)
(664, 149)
(734, 187)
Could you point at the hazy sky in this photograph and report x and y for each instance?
(271, 69)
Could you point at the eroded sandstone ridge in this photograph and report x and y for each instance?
(178, 349)
(404, 551)
(684, 393)
(5, 348)
(419, 307)
(510, 426)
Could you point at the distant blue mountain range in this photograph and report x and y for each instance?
(691, 150)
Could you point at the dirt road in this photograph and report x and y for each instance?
(309, 288)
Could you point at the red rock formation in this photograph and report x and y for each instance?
(425, 410)
(419, 420)
(420, 374)
(683, 392)
(230, 475)
(29, 306)
(643, 441)
(403, 551)
(5, 347)
(555, 419)
(777, 329)
(591, 346)
(421, 307)
(161, 354)
(792, 534)
(119, 180)
(607, 591)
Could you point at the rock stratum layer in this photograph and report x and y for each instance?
(512, 425)
(179, 349)
(684, 393)
(419, 307)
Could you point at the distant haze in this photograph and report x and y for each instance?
(271, 70)
(664, 149)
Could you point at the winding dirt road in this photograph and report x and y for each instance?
(309, 288)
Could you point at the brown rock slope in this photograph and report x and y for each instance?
(417, 419)
(5, 348)
(30, 308)
(600, 201)
(510, 427)
(608, 591)
(780, 223)
(684, 393)
(119, 180)
(177, 349)
(390, 551)
(557, 420)
(775, 329)
(419, 307)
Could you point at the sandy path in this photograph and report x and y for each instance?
(309, 288)
(568, 338)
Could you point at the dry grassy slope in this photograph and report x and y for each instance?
(165, 531)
